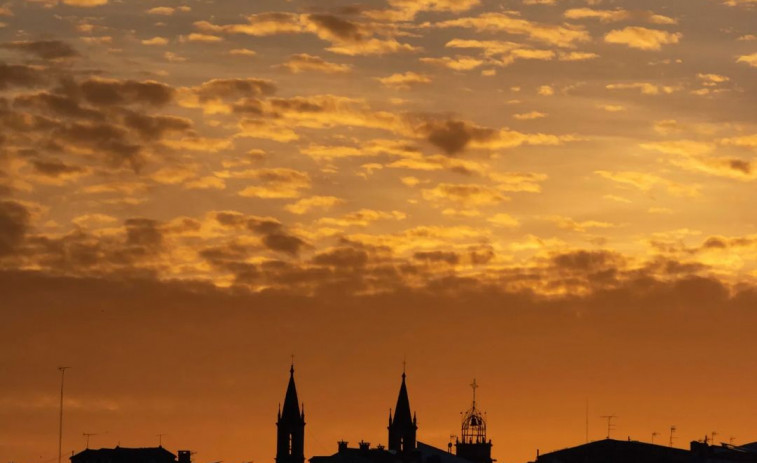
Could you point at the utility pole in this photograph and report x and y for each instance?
(60, 422)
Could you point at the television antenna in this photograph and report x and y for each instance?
(610, 426)
(88, 435)
(672, 432)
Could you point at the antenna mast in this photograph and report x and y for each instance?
(653, 436)
(672, 431)
(60, 422)
(587, 420)
(88, 435)
(610, 426)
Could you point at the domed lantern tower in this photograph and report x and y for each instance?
(472, 444)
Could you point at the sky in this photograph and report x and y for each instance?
(552, 196)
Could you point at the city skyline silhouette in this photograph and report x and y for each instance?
(554, 197)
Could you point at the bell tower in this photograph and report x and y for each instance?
(473, 445)
(290, 443)
(402, 427)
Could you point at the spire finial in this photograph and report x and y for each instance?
(474, 386)
(291, 368)
(404, 366)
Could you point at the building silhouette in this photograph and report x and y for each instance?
(472, 444)
(630, 451)
(403, 428)
(402, 446)
(290, 427)
(131, 455)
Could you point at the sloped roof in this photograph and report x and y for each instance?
(443, 456)
(125, 455)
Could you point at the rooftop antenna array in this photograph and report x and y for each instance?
(672, 432)
(610, 426)
(88, 435)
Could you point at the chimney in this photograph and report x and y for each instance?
(364, 446)
(185, 456)
(342, 445)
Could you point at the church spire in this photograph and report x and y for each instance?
(402, 410)
(290, 447)
(402, 427)
(291, 403)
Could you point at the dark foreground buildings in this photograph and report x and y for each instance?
(619, 451)
(403, 446)
(472, 446)
(402, 442)
(131, 455)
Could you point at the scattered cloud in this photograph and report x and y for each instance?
(305, 205)
(646, 88)
(529, 116)
(642, 38)
(43, 49)
(645, 182)
(471, 195)
(563, 36)
(618, 14)
(273, 183)
(303, 62)
(404, 81)
(346, 37)
(458, 63)
(751, 60)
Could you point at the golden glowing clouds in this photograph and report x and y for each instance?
(751, 60)
(404, 81)
(304, 62)
(561, 36)
(240, 162)
(347, 37)
(642, 38)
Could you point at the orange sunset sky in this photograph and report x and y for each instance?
(556, 197)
